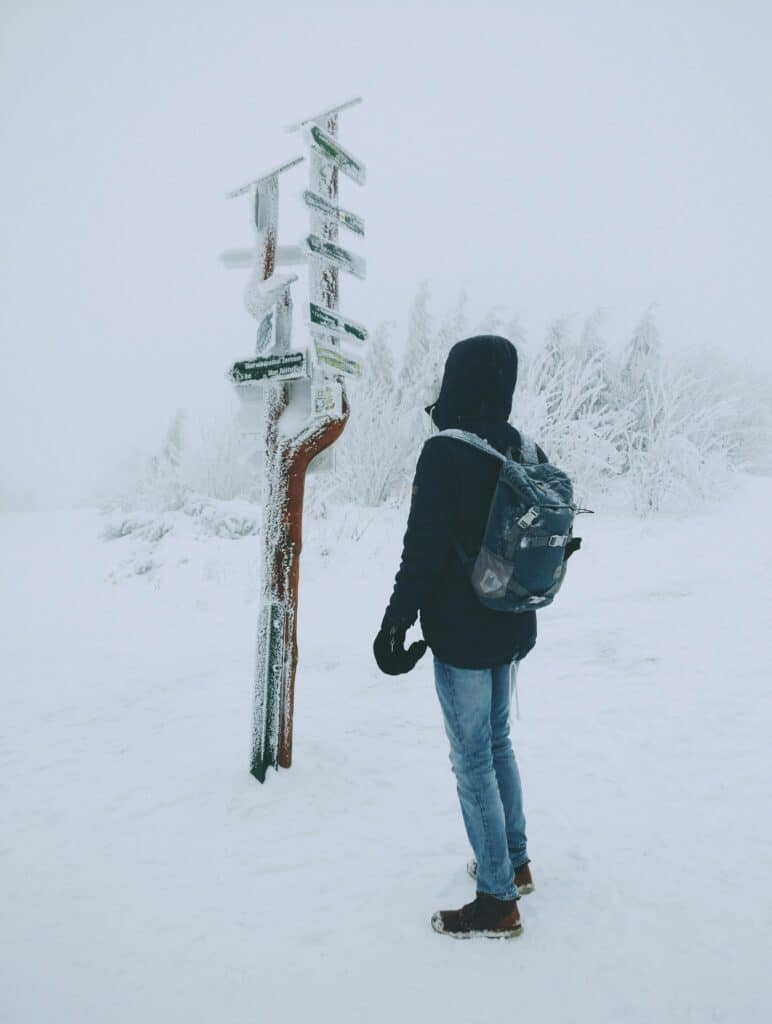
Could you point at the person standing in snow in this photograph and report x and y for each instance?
(476, 650)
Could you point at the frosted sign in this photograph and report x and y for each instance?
(329, 148)
(336, 255)
(334, 359)
(327, 398)
(334, 323)
(344, 217)
(292, 366)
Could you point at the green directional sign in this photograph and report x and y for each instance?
(336, 255)
(345, 217)
(334, 323)
(333, 358)
(331, 150)
(289, 366)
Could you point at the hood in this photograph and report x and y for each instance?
(477, 384)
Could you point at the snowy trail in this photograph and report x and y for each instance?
(145, 875)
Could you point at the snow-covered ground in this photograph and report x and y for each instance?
(147, 877)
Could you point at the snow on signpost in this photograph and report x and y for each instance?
(305, 407)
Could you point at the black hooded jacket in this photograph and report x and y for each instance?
(452, 491)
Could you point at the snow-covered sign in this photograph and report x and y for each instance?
(334, 358)
(243, 189)
(286, 255)
(329, 148)
(290, 366)
(345, 217)
(334, 323)
(266, 293)
(327, 398)
(325, 115)
(336, 255)
(265, 299)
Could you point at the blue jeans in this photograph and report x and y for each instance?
(475, 706)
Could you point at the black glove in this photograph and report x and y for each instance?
(389, 649)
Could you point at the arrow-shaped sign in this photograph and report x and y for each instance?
(333, 358)
(331, 150)
(289, 366)
(345, 217)
(334, 323)
(286, 256)
(336, 254)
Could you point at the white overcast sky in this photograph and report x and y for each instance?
(550, 158)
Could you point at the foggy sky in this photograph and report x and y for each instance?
(550, 159)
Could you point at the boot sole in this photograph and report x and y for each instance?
(523, 890)
(510, 933)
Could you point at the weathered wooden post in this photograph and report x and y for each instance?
(305, 408)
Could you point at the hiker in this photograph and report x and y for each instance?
(476, 649)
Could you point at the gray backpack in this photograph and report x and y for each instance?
(521, 562)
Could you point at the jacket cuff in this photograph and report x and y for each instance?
(390, 619)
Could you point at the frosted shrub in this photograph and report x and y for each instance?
(377, 452)
(684, 440)
(688, 429)
(370, 466)
(199, 459)
(627, 423)
(565, 400)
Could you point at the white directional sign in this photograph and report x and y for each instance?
(289, 366)
(345, 217)
(336, 255)
(286, 255)
(333, 359)
(334, 323)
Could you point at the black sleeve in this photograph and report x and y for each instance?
(429, 537)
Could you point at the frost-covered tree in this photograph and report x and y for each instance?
(370, 460)
(629, 421)
(562, 400)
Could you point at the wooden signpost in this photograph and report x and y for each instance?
(310, 399)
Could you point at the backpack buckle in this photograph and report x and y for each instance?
(556, 541)
(529, 518)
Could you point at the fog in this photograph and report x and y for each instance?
(550, 159)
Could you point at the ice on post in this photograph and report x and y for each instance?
(305, 405)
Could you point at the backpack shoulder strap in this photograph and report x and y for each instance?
(472, 440)
(528, 450)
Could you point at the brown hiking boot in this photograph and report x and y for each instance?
(485, 916)
(523, 877)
